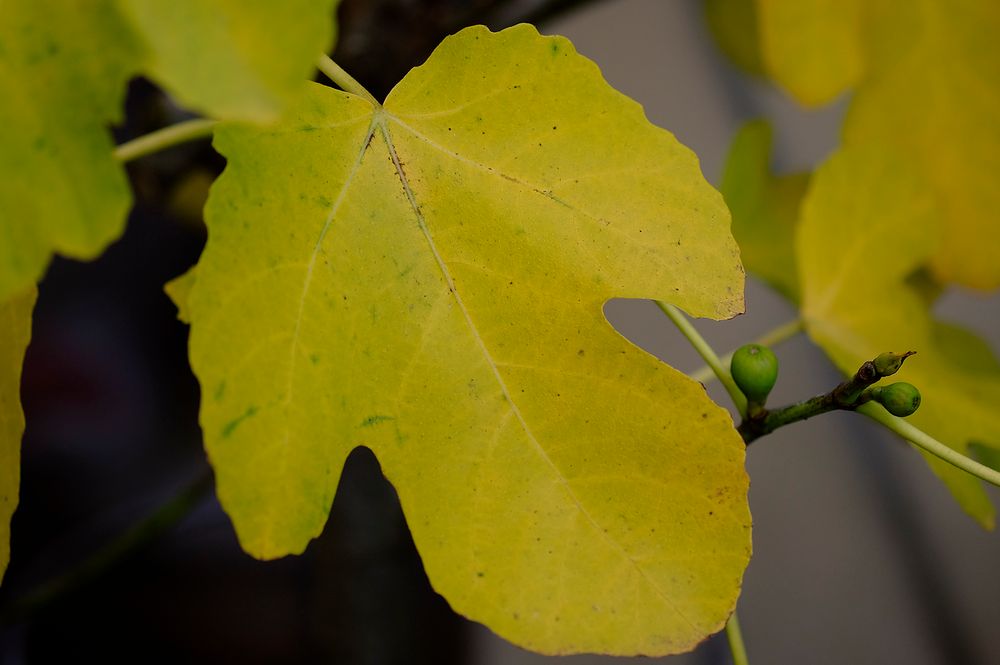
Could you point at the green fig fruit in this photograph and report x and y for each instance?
(755, 369)
(900, 399)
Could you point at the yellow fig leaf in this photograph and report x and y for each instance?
(868, 223)
(15, 331)
(931, 96)
(813, 49)
(426, 278)
(765, 208)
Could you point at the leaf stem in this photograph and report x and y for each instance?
(707, 353)
(772, 337)
(162, 139)
(344, 81)
(924, 440)
(735, 637)
(139, 535)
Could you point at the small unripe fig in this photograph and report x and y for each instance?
(900, 399)
(887, 364)
(755, 369)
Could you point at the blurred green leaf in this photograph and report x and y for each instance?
(734, 25)
(66, 65)
(813, 49)
(233, 59)
(60, 188)
(765, 208)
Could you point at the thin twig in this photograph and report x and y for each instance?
(847, 396)
(344, 81)
(924, 440)
(135, 538)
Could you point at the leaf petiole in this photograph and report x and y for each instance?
(920, 438)
(162, 139)
(772, 337)
(735, 637)
(344, 81)
(162, 520)
(707, 353)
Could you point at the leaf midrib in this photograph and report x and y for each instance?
(381, 118)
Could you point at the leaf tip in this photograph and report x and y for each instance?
(179, 292)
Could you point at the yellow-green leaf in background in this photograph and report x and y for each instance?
(64, 66)
(987, 455)
(868, 223)
(734, 25)
(427, 279)
(812, 48)
(924, 74)
(931, 96)
(240, 59)
(765, 208)
(15, 331)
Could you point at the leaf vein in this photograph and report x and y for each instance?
(282, 460)
(547, 193)
(496, 372)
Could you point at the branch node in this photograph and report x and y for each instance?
(847, 396)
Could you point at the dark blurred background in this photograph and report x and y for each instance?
(861, 556)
